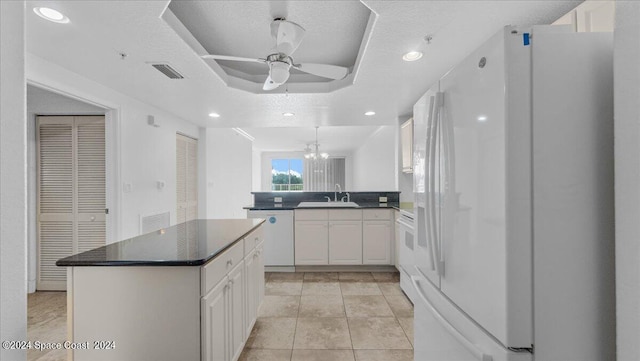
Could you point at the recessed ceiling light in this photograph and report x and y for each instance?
(482, 118)
(214, 115)
(412, 56)
(288, 114)
(51, 15)
(370, 113)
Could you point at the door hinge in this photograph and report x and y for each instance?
(106, 211)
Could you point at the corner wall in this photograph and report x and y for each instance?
(375, 166)
(627, 177)
(13, 178)
(228, 182)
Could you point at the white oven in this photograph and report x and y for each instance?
(406, 264)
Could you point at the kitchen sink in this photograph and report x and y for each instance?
(327, 205)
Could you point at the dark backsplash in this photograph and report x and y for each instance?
(393, 198)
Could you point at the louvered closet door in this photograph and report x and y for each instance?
(71, 192)
(186, 178)
(90, 183)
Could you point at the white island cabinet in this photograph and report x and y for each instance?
(188, 292)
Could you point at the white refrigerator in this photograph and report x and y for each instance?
(513, 186)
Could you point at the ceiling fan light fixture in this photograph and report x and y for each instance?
(412, 56)
(279, 72)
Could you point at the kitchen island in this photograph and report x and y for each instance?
(187, 292)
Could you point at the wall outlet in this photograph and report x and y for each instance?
(277, 199)
(382, 199)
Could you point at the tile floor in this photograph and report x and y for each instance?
(323, 316)
(47, 322)
(316, 316)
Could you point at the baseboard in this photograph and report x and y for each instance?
(279, 269)
(334, 268)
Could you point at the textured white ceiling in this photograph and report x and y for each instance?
(99, 30)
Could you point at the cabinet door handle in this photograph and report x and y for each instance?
(230, 262)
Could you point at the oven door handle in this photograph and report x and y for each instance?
(404, 223)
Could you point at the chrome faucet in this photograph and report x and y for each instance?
(348, 197)
(328, 198)
(335, 193)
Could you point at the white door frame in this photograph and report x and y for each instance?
(112, 157)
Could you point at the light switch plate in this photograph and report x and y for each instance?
(382, 199)
(277, 199)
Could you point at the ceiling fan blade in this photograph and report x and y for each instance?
(288, 36)
(323, 70)
(269, 84)
(233, 58)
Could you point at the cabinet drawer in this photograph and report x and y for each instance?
(312, 214)
(345, 214)
(374, 214)
(217, 269)
(253, 239)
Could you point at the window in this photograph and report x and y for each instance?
(286, 175)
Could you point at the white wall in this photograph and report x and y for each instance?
(13, 180)
(145, 154)
(375, 162)
(43, 102)
(627, 168)
(256, 169)
(228, 183)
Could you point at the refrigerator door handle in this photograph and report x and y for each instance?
(472, 348)
(439, 104)
(435, 249)
(429, 185)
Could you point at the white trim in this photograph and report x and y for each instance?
(244, 134)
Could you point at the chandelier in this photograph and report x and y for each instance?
(314, 153)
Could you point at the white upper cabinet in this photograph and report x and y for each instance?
(406, 140)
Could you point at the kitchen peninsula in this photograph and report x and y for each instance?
(187, 292)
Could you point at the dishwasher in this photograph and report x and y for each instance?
(278, 236)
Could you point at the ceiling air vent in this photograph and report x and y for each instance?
(167, 70)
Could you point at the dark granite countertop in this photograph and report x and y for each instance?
(294, 205)
(191, 243)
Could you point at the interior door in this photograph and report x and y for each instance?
(424, 185)
(186, 178)
(71, 192)
(473, 225)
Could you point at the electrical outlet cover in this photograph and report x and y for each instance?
(382, 199)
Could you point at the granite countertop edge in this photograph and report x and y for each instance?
(294, 206)
(154, 263)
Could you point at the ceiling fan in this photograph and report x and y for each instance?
(288, 36)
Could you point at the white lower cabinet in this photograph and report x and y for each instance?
(237, 310)
(311, 243)
(344, 237)
(345, 242)
(254, 286)
(377, 236)
(230, 308)
(215, 340)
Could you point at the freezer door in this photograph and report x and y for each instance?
(426, 212)
(443, 333)
(474, 221)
